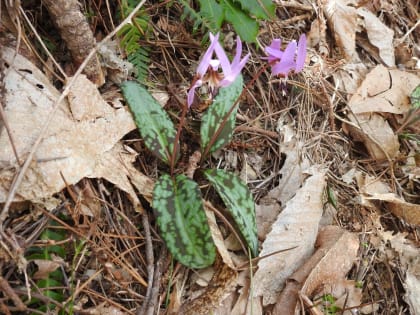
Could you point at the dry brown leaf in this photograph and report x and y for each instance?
(296, 225)
(409, 257)
(45, 267)
(409, 212)
(219, 288)
(342, 19)
(103, 309)
(379, 35)
(80, 142)
(336, 251)
(217, 235)
(384, 91)
(292, 173)
(376, 134)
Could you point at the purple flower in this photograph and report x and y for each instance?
(291, 59)
(203, 66)
(215, 79)
(230, 70)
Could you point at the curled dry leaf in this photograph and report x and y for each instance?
(409, 212)
(345, 21)
(383, 92)
(335, 253)
(45, 267)
(409, 258)
(81, 141)
(221, 285)
(297, 225)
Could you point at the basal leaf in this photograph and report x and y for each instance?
(415, 97)
(213, 12)
(182, 221)
(152, 121)
(245, 26)
(261, 9)
(238, 200)
(212, 119)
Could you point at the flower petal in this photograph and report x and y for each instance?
(236, 70)
(191, 92)
(224, 60)
(205, 61)
(301, 54)
(287, 61)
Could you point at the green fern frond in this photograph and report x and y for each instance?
(130, 36)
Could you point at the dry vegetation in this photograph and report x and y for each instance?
(100, 238)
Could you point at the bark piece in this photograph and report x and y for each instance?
(75, 31)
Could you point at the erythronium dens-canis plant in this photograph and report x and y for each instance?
(177, 199)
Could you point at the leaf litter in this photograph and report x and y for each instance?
(372, 101)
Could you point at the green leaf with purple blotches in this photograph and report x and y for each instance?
(182, 221)
(213, 118)
(238, 200)
(153, 122)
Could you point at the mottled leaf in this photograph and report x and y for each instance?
(212, 119)
(415, 97)
(261, 9)
(245, 26)
(152, 121)
(238, 200)
(182, 221)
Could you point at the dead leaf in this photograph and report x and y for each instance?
(335, 253)
(81, 140)
(342, 19)
(409, 256)
(384, 91)
(296, 225)
(45, 267)
(292, 173)
(103, 309)
(409, 212)
(219, 288)
(379, 35)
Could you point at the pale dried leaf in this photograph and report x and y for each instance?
(217, 235)
(379, 35)
(409, 257)
(409, 212)
(45, 267)
(335, 253)
(71, 148)
(297, 225)
(292, 172)
(342, 19)
(376, 134)
(103, 309)
(266, 213)
(384, 91)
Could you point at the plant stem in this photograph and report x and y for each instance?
(178, 134)
(226, 117)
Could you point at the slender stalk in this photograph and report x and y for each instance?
(226, 117)
(178, 135)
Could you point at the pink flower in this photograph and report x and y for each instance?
(291, 59)
(207, 64)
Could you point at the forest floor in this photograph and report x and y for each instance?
(331, 157)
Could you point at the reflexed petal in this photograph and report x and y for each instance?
(205, 61)
(221, 55)
(237, 58)
(235, 71)
(301, 54)
(190, 98)
(274, 52)
(287, 61)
